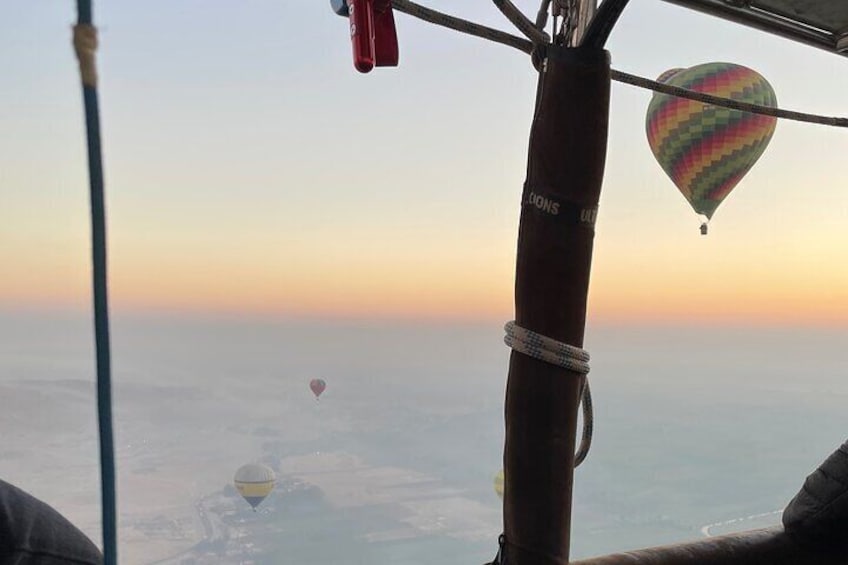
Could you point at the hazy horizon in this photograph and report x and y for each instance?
(697, 430)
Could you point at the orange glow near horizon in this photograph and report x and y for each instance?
(622, 290)
(292, 192)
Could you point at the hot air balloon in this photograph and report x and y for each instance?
(499, 484)
(254, 482)
(706, 149)
(317, 386)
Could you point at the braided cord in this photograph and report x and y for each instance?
(726, 102)
(521, 22)
(588, 425)
(464, 26)
(546, 349)
(562, 355)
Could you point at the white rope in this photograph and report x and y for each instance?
(521, 22)
(546, 349)
(562, 355)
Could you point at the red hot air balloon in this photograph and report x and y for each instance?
(317, 386)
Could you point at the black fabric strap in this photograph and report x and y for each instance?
(540, 201)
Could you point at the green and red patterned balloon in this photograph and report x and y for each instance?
(706, 149)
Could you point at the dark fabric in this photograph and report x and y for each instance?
(819, 512)
(771, 546)
(565, 164)
(33, 533)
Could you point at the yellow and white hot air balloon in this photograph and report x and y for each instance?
(254, 482)
(499, 484)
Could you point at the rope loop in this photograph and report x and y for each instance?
(562, 355)
(85, 46)
(546, 349)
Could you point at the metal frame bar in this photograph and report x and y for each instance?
(771, 23)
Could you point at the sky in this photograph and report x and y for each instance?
(250, 170)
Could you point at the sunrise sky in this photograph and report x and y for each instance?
(250, 170)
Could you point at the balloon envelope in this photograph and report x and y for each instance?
(254, 482)
(317, 386)
(706, 149)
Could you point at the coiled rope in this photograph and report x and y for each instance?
(546, 349)
(562, 355)
(527, 46)
(85, 46)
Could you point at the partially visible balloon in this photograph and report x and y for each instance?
(706, 149)
(317, 386)
(254, 482)
(499, 484)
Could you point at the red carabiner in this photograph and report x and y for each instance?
(361, 13)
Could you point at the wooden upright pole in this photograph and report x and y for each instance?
(564, 172)
(586, 9)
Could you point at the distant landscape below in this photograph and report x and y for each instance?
(698, 431)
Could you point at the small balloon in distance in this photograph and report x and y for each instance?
(317, 386)
(254, 482)
(499, 484)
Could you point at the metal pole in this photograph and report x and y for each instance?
(565, 169)
(85, 43)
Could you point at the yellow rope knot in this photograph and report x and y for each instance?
(85, 45)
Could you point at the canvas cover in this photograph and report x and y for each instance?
(820, 23)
